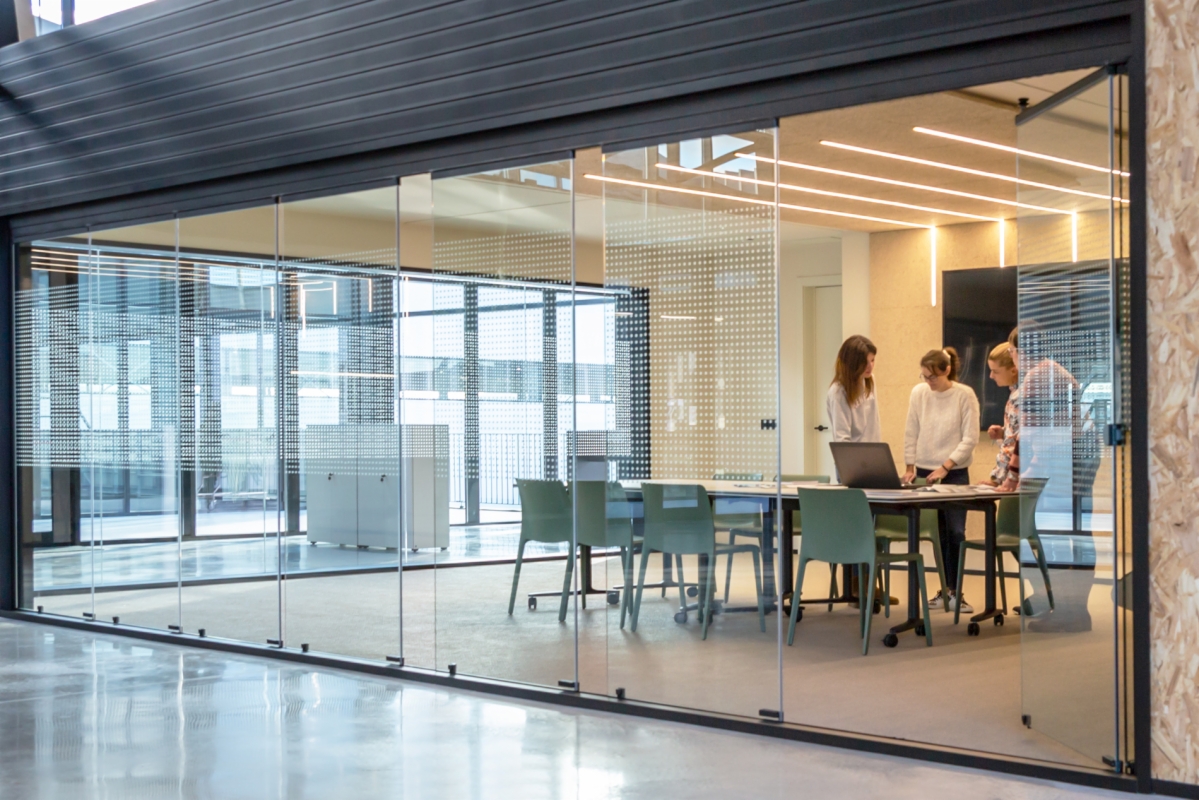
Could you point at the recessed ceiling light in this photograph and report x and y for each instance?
(1018, 151)
(753, 200)
(907, 184)
(967, 170)
(824, 192)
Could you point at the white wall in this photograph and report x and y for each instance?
(804, 262)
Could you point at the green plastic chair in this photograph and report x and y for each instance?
(839, 529)
(750, 525)
(1015, 521)
(797, 522)
(678, 521)
(545, 516)
(745, 521)
(605, 519)
(891, 528)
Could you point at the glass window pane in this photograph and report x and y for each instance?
(338, 275)
(498, 314)
(690, 249)
(234, 508)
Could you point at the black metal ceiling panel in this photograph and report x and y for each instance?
(180, 92)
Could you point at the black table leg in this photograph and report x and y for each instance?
(768, 549)
(913, 515)
(786, 580)
(989, 611)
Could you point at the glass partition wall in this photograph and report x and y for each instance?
(548, 423)
(690, 242)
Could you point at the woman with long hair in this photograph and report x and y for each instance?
(938, 445)
(852, 404)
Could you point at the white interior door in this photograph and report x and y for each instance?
(822, 339)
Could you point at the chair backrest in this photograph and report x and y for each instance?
(678, 518)
(545, 512)
(605, 517)
(1017, 516)
(791, 478)
(837, 526)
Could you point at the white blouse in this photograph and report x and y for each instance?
(859, 423)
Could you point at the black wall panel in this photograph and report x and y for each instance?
(222, 95)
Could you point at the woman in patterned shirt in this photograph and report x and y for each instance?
(1004, 372)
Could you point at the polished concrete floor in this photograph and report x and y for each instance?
(964, 691)
(97, 716)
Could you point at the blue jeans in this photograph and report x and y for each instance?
(951, 524)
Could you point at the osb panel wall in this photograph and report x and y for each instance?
(1172, 37)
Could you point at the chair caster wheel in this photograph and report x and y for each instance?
(999, 621)
(972, 629)
(920, 630)
(680, 617)
(799, 614)
(891, 640)
(693, 591)
(532, 603)
(613, 598)
(877, 607)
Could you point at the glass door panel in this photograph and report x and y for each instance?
(229, 476)
(338, 268)
(689, 242)
(424, 405)
(1069, 291)
(500, 305)
(128, 402)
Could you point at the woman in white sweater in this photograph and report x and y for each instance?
(938, 445)
(852, 404)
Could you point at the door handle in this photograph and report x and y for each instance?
(822, 428)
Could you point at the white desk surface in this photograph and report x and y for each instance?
(769, 488)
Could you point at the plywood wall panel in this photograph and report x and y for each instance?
(1172, 41)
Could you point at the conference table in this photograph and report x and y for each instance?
(779, 502)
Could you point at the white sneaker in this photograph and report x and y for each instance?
(960, 604)
(937, 602)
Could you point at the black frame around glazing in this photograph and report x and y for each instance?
(944, 67)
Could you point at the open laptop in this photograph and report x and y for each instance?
(866, 465)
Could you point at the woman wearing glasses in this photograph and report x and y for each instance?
(938, 445)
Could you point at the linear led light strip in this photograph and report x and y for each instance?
(907, 184)
(754, 201)
(826, 193)
(1027, 153)
(932, 229)
(967, 170)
